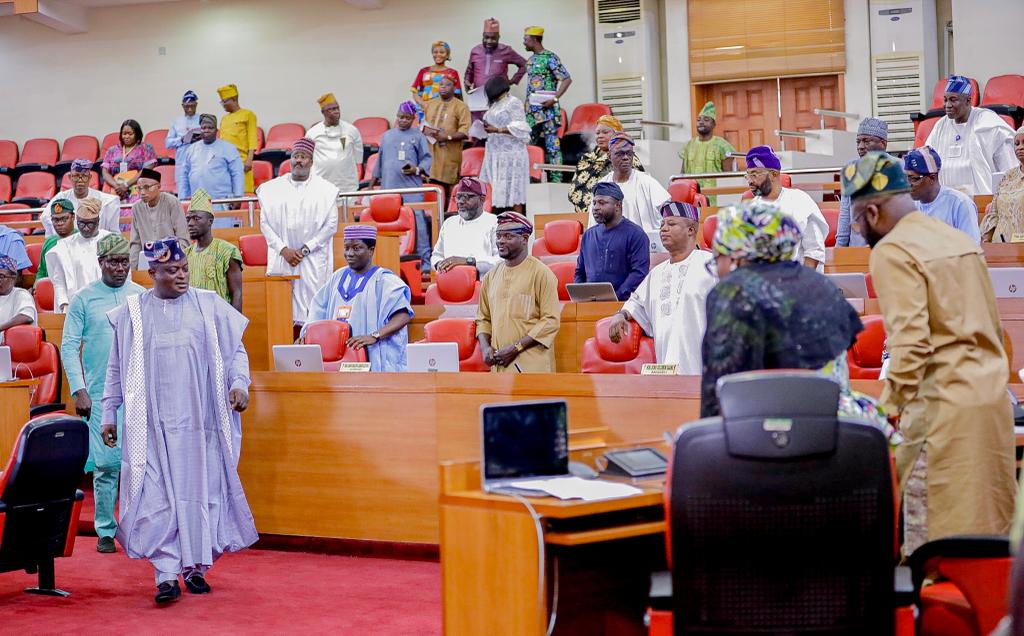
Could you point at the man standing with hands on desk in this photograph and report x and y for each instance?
(518, 316)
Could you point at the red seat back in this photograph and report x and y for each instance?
(1008, 120)
(870, 285)
(254, 250)
(565, 272)
(167, 183)
(601, 355)
(865, 356)
(94, 181)
(832, 218)
(472, 162)
(5, 188)
(1004, 89)
(262, 171)
(564, 124)
(984, 584)
(109, 140)
(282, 136)
(43, 293)
(461, 331)
(457, 286)
(708, 231)
(454, 207)
(33, 358)
(35, 251)
(284, 168)
(585, 116)
(560, 238)
(371, 129)
(332, 336)
(940, 91)
(388, 213)
(922, 129)
(535, 155)
(158, 138)
(42, 150)
(8, 153)
(683, 190)
(80, 147)
(38, 185)
(371, 163)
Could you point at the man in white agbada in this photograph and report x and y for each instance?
(16, 304)
(973, 142)
(79, 175)
(339, 147)
(763, 168)
(669, 303)
(299, 218)
(72, 264)
(643, 194)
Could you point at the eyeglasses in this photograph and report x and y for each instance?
(7, 277)
(756, 172)
(917, 178)
(120, 263)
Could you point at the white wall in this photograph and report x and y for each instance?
(987, 38)
(282, 56)
(676, 69)
(857, 80)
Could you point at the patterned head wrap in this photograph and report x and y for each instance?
(149, 173)
(472, 185)
(535, 31)
(923, 160)
(756, 232)
(611, 121)
(8, 263)
(189, 98)
(201, 202)
(874, 173)
(709, 111)
(360, 232)
(608, 189)
(166, 250)
(304, 144)
(874, 127)
(325, 99)
(958, 84)
(61, 205)
(621, 137)
(112, 245)
(763, 157)
(679, 208)
(491, 26)
(445, 46)
(227, 92)
(81, 165)
(207, 117)
(514, 222)
(88, 209)
(407, 108)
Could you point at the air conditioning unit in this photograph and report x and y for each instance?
(629, 61)
(904, 64)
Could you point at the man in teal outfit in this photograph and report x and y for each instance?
(84, 352)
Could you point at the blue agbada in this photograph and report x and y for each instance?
(176, 140)
(620, 256)
(216, 168)
(372, 302)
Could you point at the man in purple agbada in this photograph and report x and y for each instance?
(179, 367)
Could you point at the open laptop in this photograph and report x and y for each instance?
(6, 370)
(432, 356)
(298, 358)
(591, 292)
(654, 238)
(523, 440)
(852, 285)
(1007, 282)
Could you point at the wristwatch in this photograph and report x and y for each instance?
(449, 137)
(376, 335)
(519, 346)
(304, 250)
(470, 261)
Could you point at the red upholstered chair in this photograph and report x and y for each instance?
(38, 154)
(371, 163)
(454, 207)
(565, 272)
(707, 233)
(865, 356)
(332, 335)
(284, 168)
(457, 286)
(5, 188)
(254, 250)
(371, 129)
(923, 128)
(8, 154)
(8, 217)
(35, 251)
(279, 142)
(472, 162)
(109, 140)
(870, 285)
(940, 90)
(80, 147)
(35, 189)
(94, 180)
(158, 139)
(832, 218)
(585, 116)
(1004, 89)
(561, 238)
(683, 190)
(40, 503)
(43, 293)
(388, 213)
(536, 155)
(461, 331)
(262, 171)
(167, 182)
(601, 355)
(33, 358)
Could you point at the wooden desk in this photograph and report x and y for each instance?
(839, 260)
(14, 404)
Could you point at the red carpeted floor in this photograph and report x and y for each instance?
(254, 592)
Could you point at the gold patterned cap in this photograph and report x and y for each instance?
(874, 173)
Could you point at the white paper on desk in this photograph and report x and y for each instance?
(578, 488)
(476, 99)
(476, 130)
(538, 98)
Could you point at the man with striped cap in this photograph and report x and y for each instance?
(372, 300)
(72, 262)
(80, 175)
(299, 217)
(518, 316)
(84, 350)
(954, 208)
(669, 303)
(642, 193)
(213, 263)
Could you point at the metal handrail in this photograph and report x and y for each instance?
(825, 112)
(797, 133)
(665, 124)
(722, 175)
(554, 167)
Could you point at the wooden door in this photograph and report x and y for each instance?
(800, 96)
(748, 112)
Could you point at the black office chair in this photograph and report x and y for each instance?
(781, 514)
(40, 503)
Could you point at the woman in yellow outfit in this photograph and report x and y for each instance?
(238, 128)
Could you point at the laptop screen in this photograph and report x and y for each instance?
(527, 439)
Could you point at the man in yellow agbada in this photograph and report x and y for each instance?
(238, 128)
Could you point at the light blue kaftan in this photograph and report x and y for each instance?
(175, 140)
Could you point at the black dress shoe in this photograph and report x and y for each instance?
(167, 591)
(106, 545)
(196, 584)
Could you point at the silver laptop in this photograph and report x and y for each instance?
(654, 238)
(298, 358)
(6, 370)
(432, 356)
(852, 285)
(523, 440)
(1007, 282)
(591, 292)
